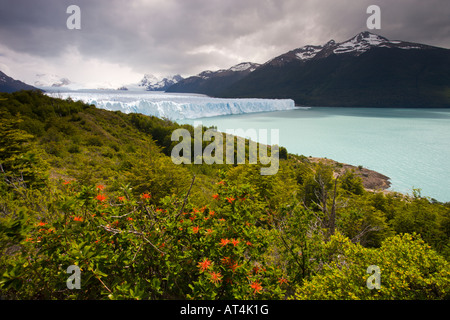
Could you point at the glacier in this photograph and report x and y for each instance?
(173, 106)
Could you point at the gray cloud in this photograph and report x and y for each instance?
(188, 36)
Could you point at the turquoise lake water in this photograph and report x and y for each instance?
(411, 146)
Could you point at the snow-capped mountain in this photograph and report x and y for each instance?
(211, 82)
(245, 67)
(367, 70)
(152, 83)
(355, 46)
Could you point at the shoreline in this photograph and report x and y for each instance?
(371, 180)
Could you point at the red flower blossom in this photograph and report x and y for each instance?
(256, 286)
(203, 265)
(41, 224)
(226, 260)
(100, 187)
(100, 197)
(195, 229)
(78, 219)
(66, 182)
(234, 266)
(248, 243)
(211, 213)
(215, 277)
(235, 242)
(216, 196)
(282, 280)
(122, 199)
(224, 242)
(230, 199)
(221, 182)
(209, 232)
(145, 196)
(130, 219)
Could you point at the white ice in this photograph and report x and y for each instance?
(173, 106)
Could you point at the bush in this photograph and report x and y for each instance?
(409, 270)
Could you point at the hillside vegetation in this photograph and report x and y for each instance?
(98, 189)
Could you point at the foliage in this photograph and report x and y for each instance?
(94, 188)
(409, 270)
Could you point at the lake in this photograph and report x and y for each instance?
(411, 146)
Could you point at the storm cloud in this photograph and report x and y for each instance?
(189, 36)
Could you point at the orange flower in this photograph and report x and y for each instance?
(209, 232)
(216, 196)
(211, 213)
(226, 260)
(235, 242)
(203, 265)
(248, 243)
(41, 224)
(224, 242)
(121, 198)
(230, 199)
(78, 219)
(215, 277)
(282, 280)
(66, 182)
(234, 266)
(145, 196)
(130, 219)
(221, 182)
(195, 229)
(100, 187)
(256, 286)
(100, 197)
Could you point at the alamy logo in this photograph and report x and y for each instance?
(214, 152)
(374, 281)
(374, 21)
(74, 20)
(74, 281)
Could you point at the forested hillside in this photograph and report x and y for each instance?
(98, 189)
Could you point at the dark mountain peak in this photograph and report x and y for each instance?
(330, 43)
(211, 82)
(8, 84)
(367, 70)
(367, 36)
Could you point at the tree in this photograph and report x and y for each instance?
(21, 162)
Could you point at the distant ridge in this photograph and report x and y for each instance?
(9, 85)
(367, 70)
(214, 82)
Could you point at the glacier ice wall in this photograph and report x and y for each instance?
(173, 106)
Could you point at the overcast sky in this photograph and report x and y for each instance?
(119, 41)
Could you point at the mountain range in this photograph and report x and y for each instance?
(214, 82)
(367, 70)
(152, 83)
(8, 84)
